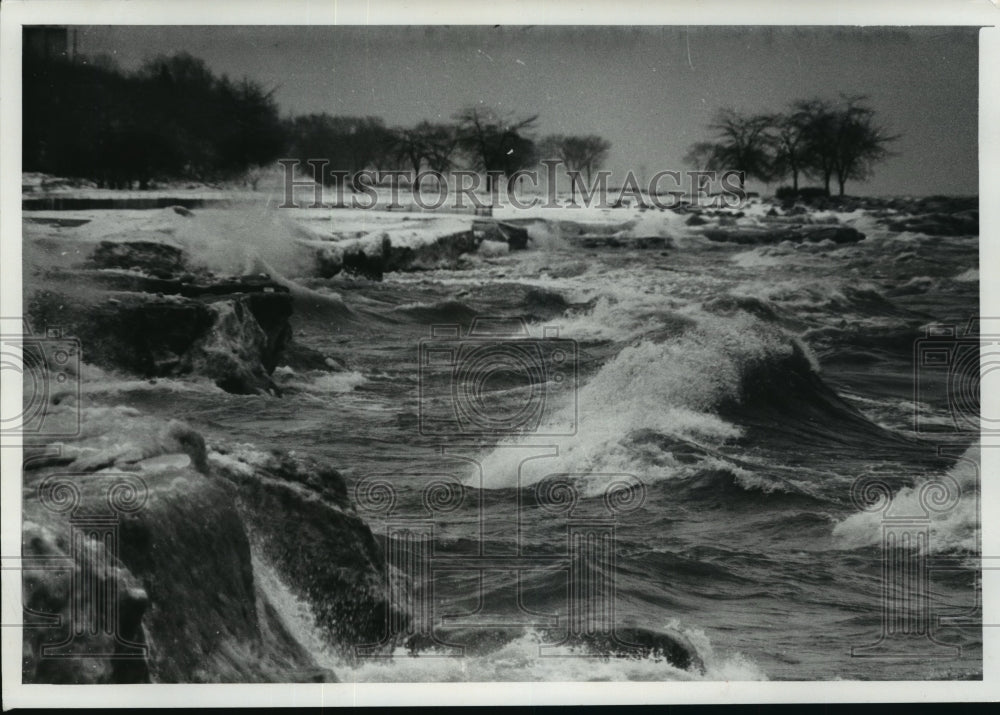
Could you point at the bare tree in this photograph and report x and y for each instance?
(792, 151)
(858, 142)
(407, 145)
(496, 144)
(840, 141)
(429, 144)
(440, 142)
(741, 144)
(585, 154)
(818, 119)
(350, 143)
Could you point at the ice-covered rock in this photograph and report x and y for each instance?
(140, 544)
(139, 307)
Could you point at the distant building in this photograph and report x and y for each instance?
(47, 42)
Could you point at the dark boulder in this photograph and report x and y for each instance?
(628, 641)
(306, 526)
(372, 261)
(236, 340)
(441, 253)
(797, 234)
(160, 318)
(192, 601)
(641, 642)
(515, 236)
(158, 259)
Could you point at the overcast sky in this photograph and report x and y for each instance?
(650, 91)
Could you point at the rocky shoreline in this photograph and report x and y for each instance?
(188, 522)
(191, 520)
(139, 307)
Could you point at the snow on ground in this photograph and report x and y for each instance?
(252, 222)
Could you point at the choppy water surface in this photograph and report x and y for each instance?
(742, 389)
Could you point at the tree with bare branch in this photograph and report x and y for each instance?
(741, 144)
(858, 142)
(585, 154)
(496, 144)
(580, 154)
(427, 143)
(792, 152)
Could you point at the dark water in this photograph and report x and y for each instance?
(732, 394)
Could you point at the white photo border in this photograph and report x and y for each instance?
(15, 13)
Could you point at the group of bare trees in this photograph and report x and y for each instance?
(814, 138)
(175, 119)
(427, 145)
(479, 138)
(581, 154)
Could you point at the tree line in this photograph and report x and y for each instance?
(815, 138)
(174, 118)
